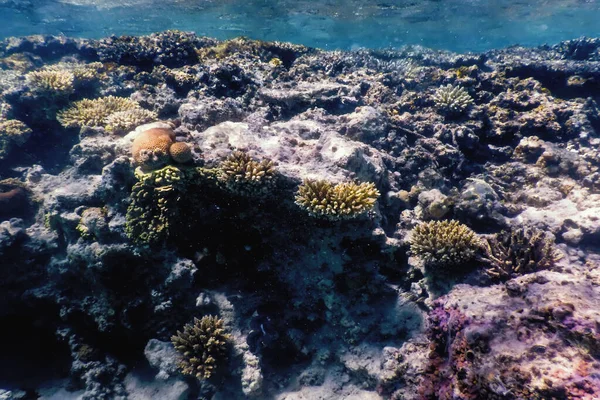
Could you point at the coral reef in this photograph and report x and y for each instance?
(519, 251)
(96, 113)
(444, 243)
(104, 259)
(452, 99)
(322, 199)
(240, 174)
(154, 200)
(52, 82)
(203, 345)
(13, 133)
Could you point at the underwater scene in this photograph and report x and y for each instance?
(298, 200)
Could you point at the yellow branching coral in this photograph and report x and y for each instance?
(342, 201)
(243, 175)
(55, 82)
(95, 112)
(444, 243)
(12, 133)
(203, 345)
(124, 121)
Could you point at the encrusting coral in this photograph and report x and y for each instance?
(452, 99)
(444, 243)
(12, 133)
(519, 251)
(240, 174)
(203, 345)
(341, 201)
(96, 113)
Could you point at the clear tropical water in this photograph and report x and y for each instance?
(459, 25)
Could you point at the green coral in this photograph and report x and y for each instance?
(154, 203)
(95, 113)
(519, 251)
(452, 99)
(444, 243)
(240, 174)
(93, 223)
(12, 133)
(203, 345)
(323, 199)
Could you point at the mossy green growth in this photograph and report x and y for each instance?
(154, 203)
(444, 243)
(203, 345)
(347, 200)
(160, 201)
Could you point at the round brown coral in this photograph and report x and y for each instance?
(180, 152)
(150, 149)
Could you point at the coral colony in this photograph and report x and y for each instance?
(261, 220)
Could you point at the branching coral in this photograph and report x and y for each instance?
(452, 99)
(51, 81)
(12, 133)
(240, 174)
(202, 344)
(124, 121)
(341, 201)
(519, 251)
(154, 204)
(95, 113)
(444, 243)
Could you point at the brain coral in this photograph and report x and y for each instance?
(444, 243)
(341, 201)
(150, 149)
(180, 152)
(203, 345)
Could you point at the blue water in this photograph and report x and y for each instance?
(467, 25)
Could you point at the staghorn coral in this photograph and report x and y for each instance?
(124, 121)
(180, 152)
(452, 99)
(322, 199)
(51, 81)
(154, 204)
(12, 133)
(94, 112)
(519, 251)
(444, 243)
(202, 344)
(240, 174)
(150, 149)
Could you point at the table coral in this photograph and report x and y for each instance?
(95, 113)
